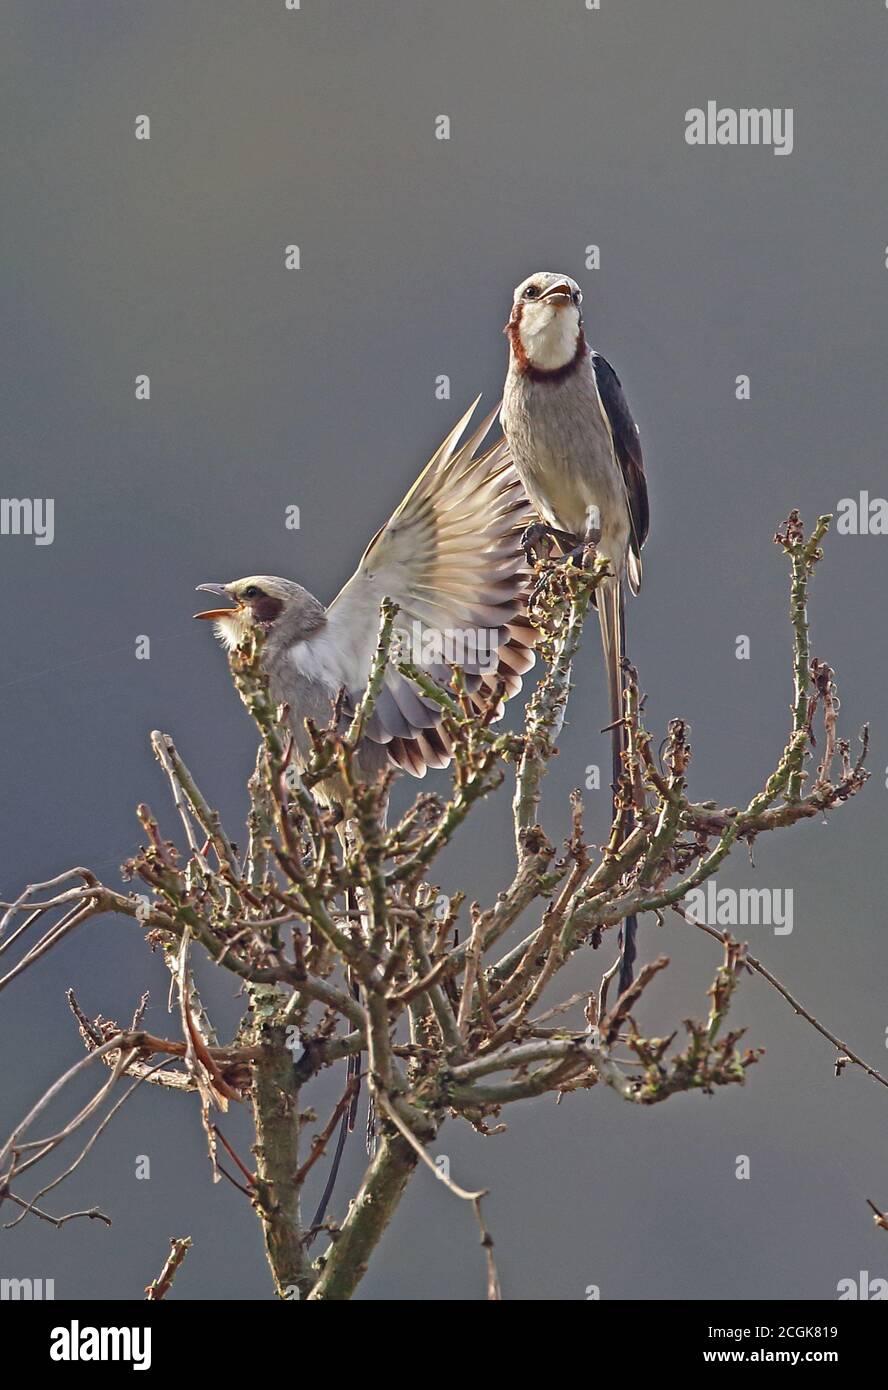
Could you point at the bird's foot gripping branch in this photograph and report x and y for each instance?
(438, 1002)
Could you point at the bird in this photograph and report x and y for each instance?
(450, 558)
(576, 448)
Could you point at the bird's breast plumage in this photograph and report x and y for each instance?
(562, 448)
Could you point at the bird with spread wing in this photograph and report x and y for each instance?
(450, 557)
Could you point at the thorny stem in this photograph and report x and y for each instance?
(804, 554)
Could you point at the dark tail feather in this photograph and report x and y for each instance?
(350, 1117)
(347, 1124)
(354, 1065)
(612, 617)
(321, 1212)
(628, 952)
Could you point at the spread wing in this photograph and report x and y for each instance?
(627, 447)
(451, 558)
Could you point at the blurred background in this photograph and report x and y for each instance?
(316, 388)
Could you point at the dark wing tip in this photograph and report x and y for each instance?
(627, 446)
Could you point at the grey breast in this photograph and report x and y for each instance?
(310, 699)
(563, 451)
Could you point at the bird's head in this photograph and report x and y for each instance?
(262, 601)
(545, 328)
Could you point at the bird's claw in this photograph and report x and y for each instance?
(580, 554)
(541, 530)
(531, 538)
(583, 554)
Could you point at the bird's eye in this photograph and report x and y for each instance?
(531, 292)
(252, 592)
(578, 296)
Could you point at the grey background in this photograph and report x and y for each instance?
(317, 388)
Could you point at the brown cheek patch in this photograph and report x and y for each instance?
(511, 331)
(266, 609)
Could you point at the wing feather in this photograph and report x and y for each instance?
(627, 447)
(450, 557)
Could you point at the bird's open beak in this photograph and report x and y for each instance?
(558, 291)
(213, 613)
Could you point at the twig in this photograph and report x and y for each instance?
(320, 1141)
(159, 1287)
(58, 1221)
(799, 1008)
(878, 1216)
(250, 1177)
(493, 1285)
(85, 1150)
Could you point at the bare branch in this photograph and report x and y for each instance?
(160, 1287)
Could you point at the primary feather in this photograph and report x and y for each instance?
(450, 557)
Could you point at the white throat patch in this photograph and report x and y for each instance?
(232, 631)
(549, 334)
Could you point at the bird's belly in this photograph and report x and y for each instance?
(310, 699)
(305, 699)
(564, 489)
(564, 453)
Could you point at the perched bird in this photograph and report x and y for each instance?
(575, 446)
(451, 559)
